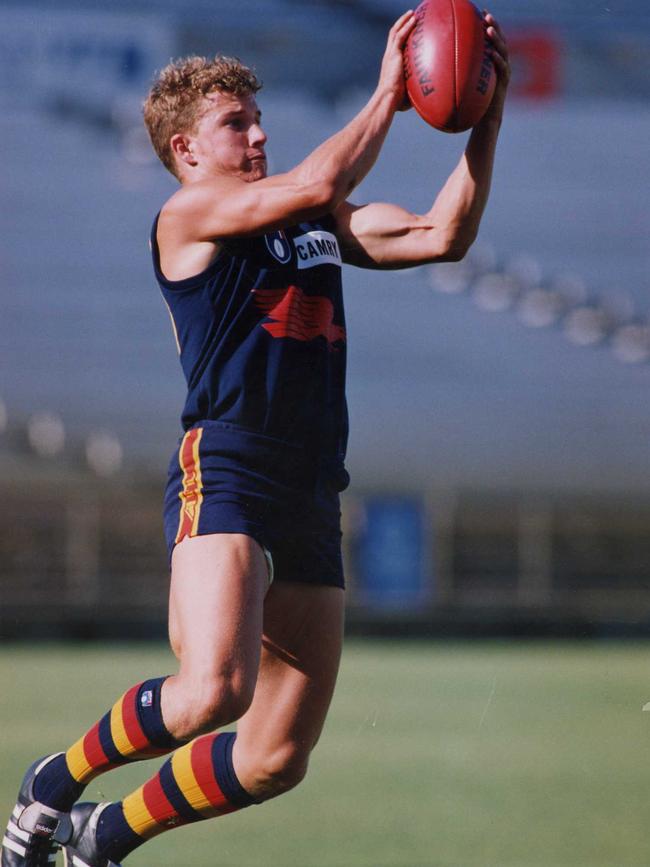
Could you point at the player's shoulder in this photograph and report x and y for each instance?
(191, 199)
(198, 212)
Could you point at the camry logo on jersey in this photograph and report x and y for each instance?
(317, 248)
(294, 314)
(278, 246)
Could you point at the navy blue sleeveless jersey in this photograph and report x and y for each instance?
(262, 342)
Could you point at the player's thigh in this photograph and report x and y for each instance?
(301, 650)
(216, 603)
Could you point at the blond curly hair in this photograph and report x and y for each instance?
(174, 103)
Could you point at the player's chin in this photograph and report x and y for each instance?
(258, 169)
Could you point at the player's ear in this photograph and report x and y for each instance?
(181, 146)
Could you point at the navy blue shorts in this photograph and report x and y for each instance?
(223, 479)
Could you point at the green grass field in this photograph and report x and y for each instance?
(435, 755)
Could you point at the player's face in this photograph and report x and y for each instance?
(229, 139)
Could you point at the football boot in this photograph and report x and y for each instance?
(35, 831)
(81, 850)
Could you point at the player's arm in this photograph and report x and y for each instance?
(227, 206)
(387, 236)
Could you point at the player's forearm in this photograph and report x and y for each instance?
(459, 207)
(340, 163)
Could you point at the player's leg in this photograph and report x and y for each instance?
(215, 623)
(218, 585)
(216, 774)
(303, 633)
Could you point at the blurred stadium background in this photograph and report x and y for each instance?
(500, 420)
(499, 448)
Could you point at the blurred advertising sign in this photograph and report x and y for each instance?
(393, 563)
(78, 56)
(536, 57)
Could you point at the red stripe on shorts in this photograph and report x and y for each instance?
(190, 495)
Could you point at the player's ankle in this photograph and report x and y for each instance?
(55, 786)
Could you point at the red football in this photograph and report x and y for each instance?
(448, 69)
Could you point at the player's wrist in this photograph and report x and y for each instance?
(493, 117)
(492, 120)
(388, 96)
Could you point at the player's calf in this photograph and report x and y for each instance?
(133, 729)
(198, 782)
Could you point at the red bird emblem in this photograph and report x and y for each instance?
(294, 314)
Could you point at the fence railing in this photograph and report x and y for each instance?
(86, 557)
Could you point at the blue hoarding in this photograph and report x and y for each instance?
(393, 562)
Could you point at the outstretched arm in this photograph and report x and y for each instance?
(388, 236)
(226, 206)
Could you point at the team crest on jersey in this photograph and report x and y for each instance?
(292, 313)
(278, 246)
(317, 247)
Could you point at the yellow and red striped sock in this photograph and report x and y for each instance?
(197, 782)
(132, 730)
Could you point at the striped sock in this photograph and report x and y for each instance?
(197, 782)
(132, 730)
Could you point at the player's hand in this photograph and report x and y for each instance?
(499, 49)
(391, 76)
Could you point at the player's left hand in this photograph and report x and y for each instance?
(499, 51)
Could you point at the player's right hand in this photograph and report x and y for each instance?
(391, 76)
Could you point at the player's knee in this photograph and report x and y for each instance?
(282, 770)
(220, 700)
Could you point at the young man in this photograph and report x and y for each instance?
(250, 267)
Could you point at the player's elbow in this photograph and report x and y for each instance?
(457, 246)
(324, 195)
(455, 253)
(326, 190)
